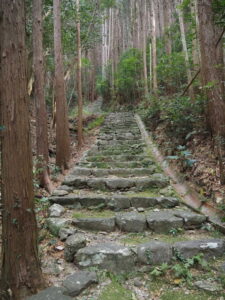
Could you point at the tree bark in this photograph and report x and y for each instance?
(20, 268)
(39, 96)
(62, 126)
(79, 82)
(154, 48)
(213, 78)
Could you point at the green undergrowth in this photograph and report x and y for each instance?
(95, 123)
(115, 291)
(83, 213)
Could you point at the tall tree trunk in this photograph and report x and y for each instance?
(212, 73)
(79, 82)
(143, 20)
(154, 47)
(20, 269)
(39, 95)
(62, 126)
(184, 44)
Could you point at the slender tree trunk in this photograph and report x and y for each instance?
(212, 73)
(62, 126)
(154, 48)
(143, 20)
(39, 95)
(79, 82)
(184, 44)
(20, 269)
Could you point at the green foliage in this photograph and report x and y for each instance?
(128, 82)
(159, 271)
(96, 123)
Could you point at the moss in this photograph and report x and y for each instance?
(154, 192)
(192, 296)
(92, 214)
(115, 291)
(96, 123)
(135, 239)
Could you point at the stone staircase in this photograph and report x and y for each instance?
(117, 193)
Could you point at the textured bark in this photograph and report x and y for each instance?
(39, 96)
(79, 82)
(62, 126)
(212, 74)
(20, 269)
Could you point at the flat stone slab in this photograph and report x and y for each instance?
(209, 286)
(72, 245)
(108, 256)
(210, 248)
(52, 293)
(60, 192)
(74, 284)
(55, 224)
(116, 164)
(164, 202)
(154, 253)
(131, 222)
(191, 219)
(98, 224)
(163, 221)
(76, 200)
(116, 158)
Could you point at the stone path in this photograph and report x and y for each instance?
(118, 193)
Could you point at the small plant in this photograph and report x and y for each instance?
(161, 270)
(148, 254)
(175, 231)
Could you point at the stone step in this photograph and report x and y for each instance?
(112, 184)
(110, 130)
(162, 222)
(120, 147)
(115, 152)
(117, 158)
(119, 136)
(115, 164)
(119, 259)
(114, 202)
(115, 172)
(116, 143)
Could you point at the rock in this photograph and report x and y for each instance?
(56, 210)
(120, 183)
(67, 188)
(60, 192)
(98, 224)
(52, 293)
(222, 268)
(191, 219)
(108, 256)
(51, 267)
(143, 202)
(140, 209)
(72, 245)
(131, 222)
(138, 282)
(154, 253)
(65, 232)
(163, 221)
(74, 284)
(55, 224)
(167, 202)
(209, 285)
(210, 248)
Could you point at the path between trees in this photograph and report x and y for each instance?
(117, 211)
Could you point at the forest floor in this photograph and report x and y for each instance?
(135, 285)
(203, 174)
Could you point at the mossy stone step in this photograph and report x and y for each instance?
(117, 158)
(115, 152)
(120, 147)
(115, 164)
(114, 202)
(112, 184)
(119, 259)
(116, 143)
(161, 222)
(116, 172)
